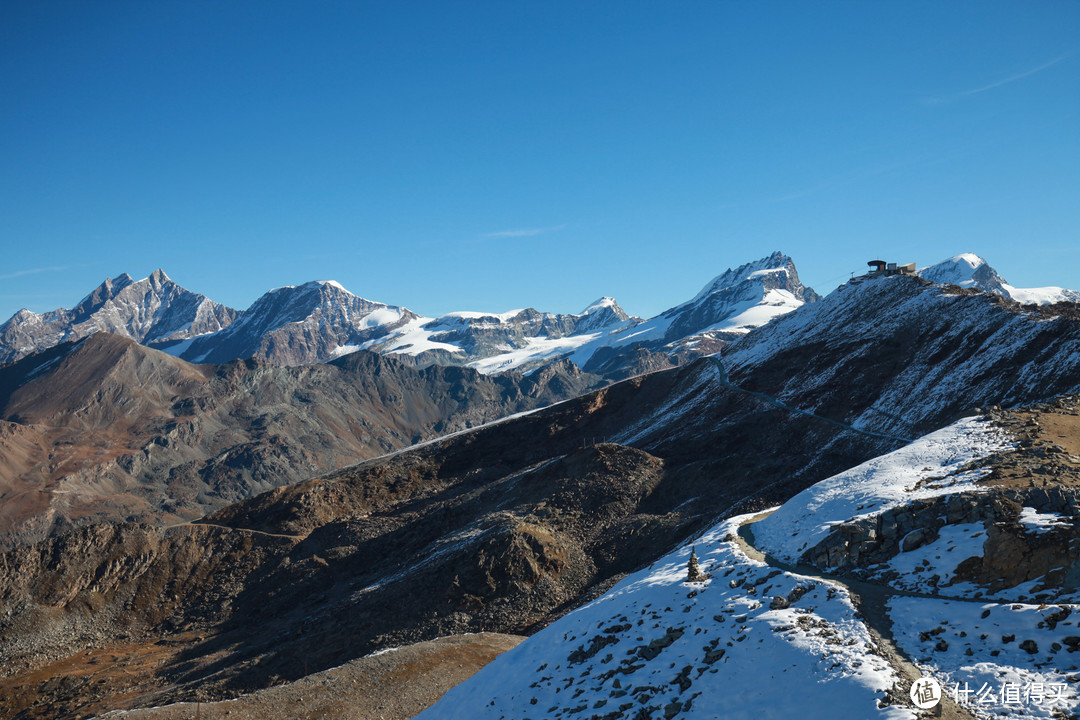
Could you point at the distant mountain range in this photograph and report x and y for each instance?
(320, 321)
(151, 310)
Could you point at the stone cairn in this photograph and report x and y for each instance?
(693, 572)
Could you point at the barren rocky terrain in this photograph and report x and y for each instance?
(394, 684)
(106, 430)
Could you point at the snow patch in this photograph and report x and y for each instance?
(1016, 654)
(1038, 522)
(929, 467)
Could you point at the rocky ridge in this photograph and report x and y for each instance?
(151, 310)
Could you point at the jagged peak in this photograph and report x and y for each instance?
(777, 261)
(158, 278)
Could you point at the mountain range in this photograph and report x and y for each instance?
(320, 321)
(872, 418)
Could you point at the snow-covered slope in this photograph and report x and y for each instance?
(496, 342)
(154, 309)
(991, 646)
(887, 355)
(968, 270)
(750, 642)
(880, 484)
(730, 305)
(760, 640)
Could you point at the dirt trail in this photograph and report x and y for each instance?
(234, 529)
(870, 600)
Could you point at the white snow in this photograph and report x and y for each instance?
(602, 303)
(955, 543)
(471, 315)
(1014, 682)
(1041, 295)
(383, 316)
(412, 338)
(333, 284)
(343, 350)
(1041, 522)
(963, 269)
(537, 348)
(929, 467)
(750, 314)
(707, 650)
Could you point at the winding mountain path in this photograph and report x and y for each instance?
(870, 600)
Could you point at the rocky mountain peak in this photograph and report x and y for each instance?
(151, 310)
(158, 279)
(777, 271)
(740, 299)
(102, 294)
(605, 304)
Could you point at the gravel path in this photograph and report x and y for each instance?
(871, 600)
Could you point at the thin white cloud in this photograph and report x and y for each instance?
(524, 232)
(998, 83)
(1018, 76)
(34, 271)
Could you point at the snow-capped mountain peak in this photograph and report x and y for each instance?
(742, 298)
(292, 325)
(968, 270)
(772, 265)
(600, 305)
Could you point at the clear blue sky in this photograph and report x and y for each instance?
(494, 155)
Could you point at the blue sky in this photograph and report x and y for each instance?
(487, 156)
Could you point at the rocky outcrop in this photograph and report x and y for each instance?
(1039, 478)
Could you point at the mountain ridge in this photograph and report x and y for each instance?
(318, 321)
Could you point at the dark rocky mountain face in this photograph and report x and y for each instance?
(108, 430)
(298, 326)
(507, 526)
(154, 309)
